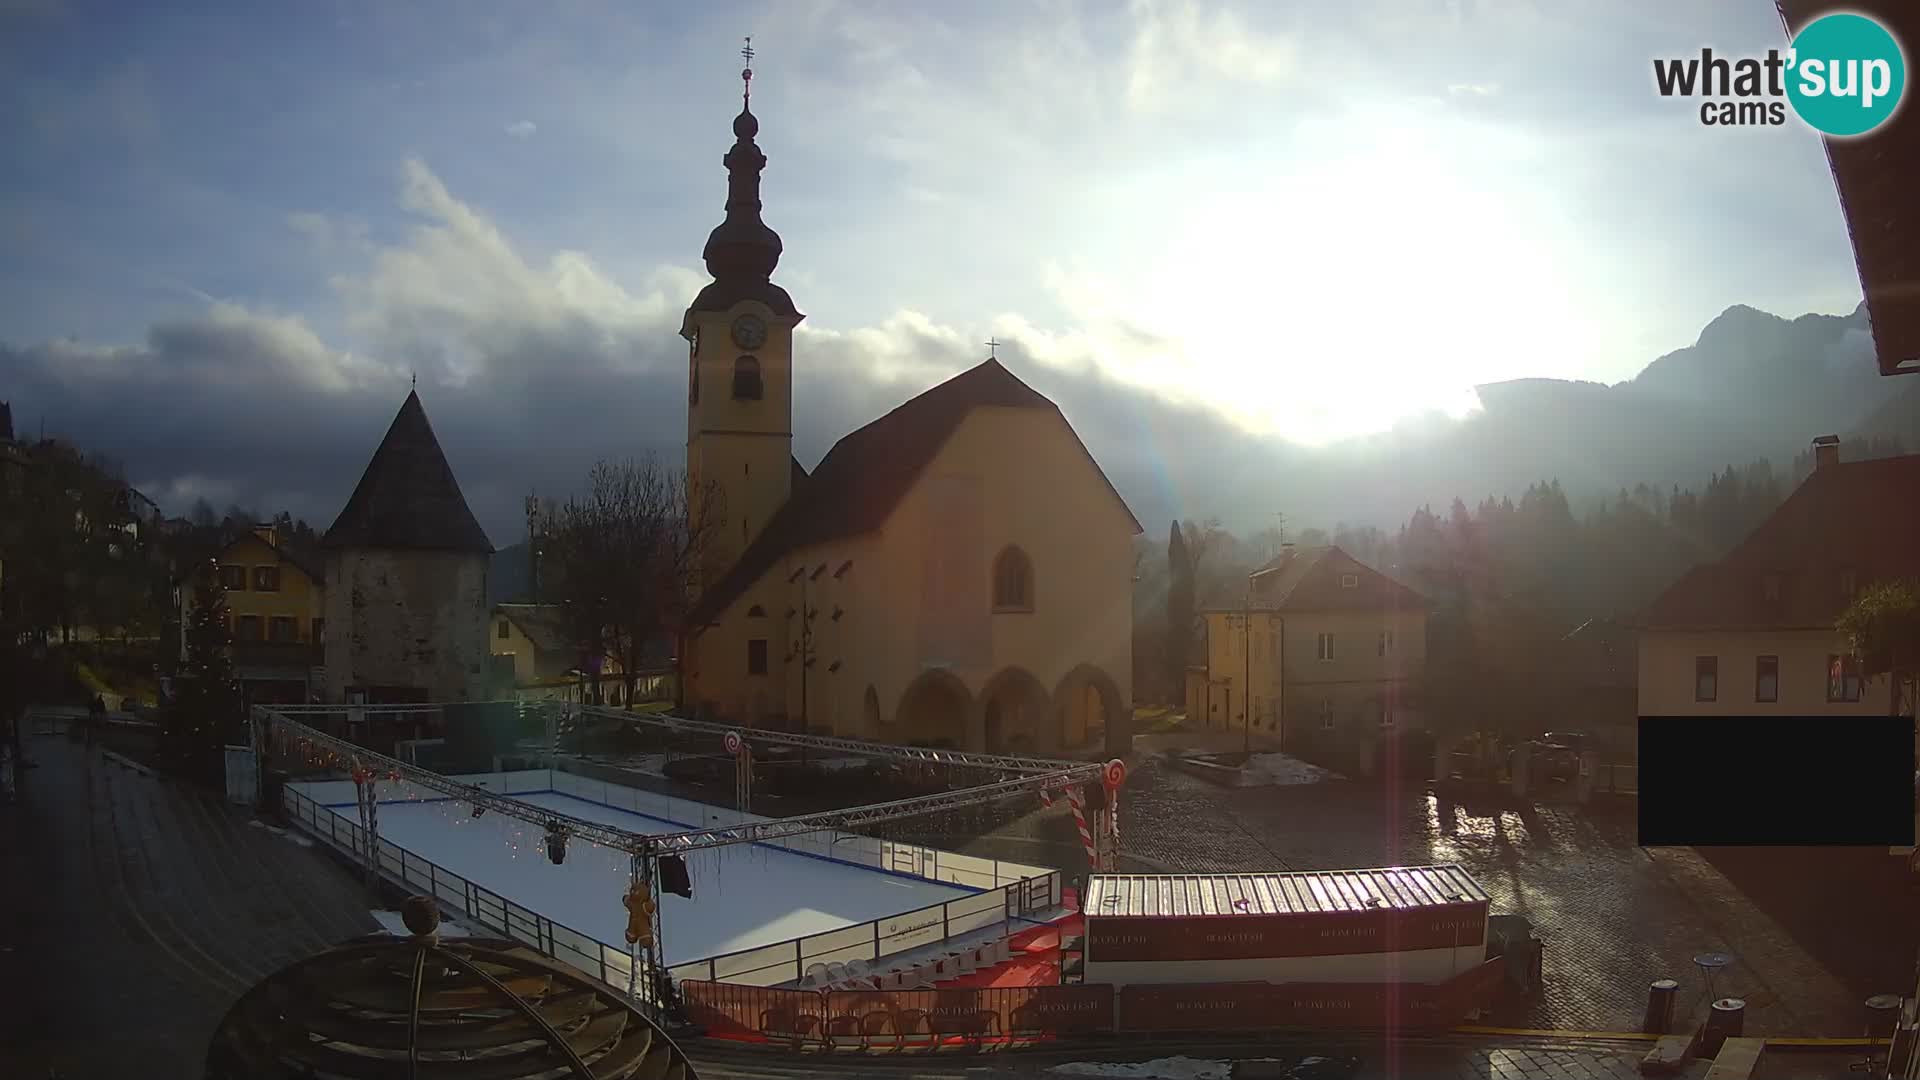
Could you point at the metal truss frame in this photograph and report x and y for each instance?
(1058, 776)
(997, 762)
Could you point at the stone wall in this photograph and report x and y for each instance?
(407, 619)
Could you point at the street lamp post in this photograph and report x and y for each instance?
(803, 647)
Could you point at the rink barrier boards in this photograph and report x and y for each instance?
(900, 1018)
(1005, 891)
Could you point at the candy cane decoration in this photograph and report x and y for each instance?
(742, 755)
(1046, 799)
(1113, 776)
(1079, 801)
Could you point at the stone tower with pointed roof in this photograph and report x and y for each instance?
(406, 569)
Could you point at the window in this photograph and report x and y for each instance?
(1012, 581)
(1849, 583)
(283, 629)
(756, 612)
(757, 656)
(233, 578)
(746, 379)
(1843, 677)
(1770, 588)
(319, 631)
(1326, 714)
(1349, 581)
(1323, 644)
(1386, 643)
(247, 628)
(1766, 678)
(1706, 678)
(503, 631)
(1386, 715)
(266, 579)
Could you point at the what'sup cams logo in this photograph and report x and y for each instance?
(1843, 75)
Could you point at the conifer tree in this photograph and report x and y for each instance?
(207, 710)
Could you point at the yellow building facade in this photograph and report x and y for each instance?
(276, 615)
(1324, 651)
(958, 572)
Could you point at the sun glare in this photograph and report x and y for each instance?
(1384, 278)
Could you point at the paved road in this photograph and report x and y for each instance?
(135, 912)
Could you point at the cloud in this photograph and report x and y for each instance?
(521, 129)
(531, 368)
(1473, 89)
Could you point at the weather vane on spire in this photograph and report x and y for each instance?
(746, 73)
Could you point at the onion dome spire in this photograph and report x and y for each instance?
(742, 248)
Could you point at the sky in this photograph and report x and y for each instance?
(232, 234)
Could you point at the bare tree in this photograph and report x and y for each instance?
(622, 560)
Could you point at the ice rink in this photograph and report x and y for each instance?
(744, 896)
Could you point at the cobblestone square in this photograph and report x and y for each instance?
(1813, 932)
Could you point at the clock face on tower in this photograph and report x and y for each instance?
(749, 332)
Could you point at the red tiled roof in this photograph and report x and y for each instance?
(866, 474)
(1859, 517)
(1875, 178)
(1309, 579)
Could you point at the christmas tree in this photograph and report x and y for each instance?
(207, 711)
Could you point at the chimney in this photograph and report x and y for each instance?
(6, 422)
(268, 534)
(1826, 451)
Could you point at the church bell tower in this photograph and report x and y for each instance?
(739, 333)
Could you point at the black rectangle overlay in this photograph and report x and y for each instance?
(1776, 780)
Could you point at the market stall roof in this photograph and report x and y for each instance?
(1182, 895)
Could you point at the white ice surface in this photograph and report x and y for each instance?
(744, 896)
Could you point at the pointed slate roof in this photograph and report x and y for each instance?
(866, 474)
(408, 497)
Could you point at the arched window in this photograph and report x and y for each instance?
(746, 379)
(756, 612)
(1012, 581)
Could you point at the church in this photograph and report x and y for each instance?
(957, 573)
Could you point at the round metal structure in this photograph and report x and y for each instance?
(423, 1008)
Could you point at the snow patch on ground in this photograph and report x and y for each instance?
(392, 923)
(1171, 1068)
(1280, 770)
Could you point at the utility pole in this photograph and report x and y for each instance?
(534, 531)
(1246, 665)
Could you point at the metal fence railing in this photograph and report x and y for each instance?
(1005, 890)
(480, 905)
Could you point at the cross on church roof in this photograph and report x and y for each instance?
(991, 346)
(746, 73)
